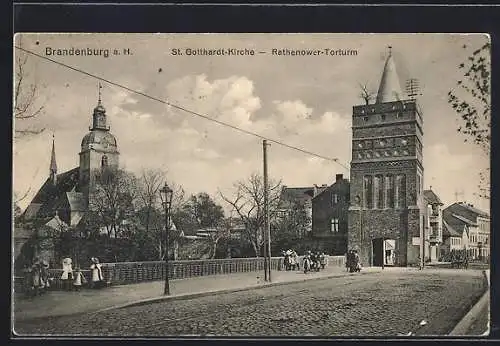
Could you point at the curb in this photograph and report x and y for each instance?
(216, 292)
(465, 323)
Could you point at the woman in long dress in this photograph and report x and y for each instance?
(67, 275)
(96, 270)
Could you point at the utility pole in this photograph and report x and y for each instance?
(267, 230)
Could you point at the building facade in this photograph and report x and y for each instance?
(433, 225)
(329, 217)
(385, 218)
(296, 201)
(455, 237)
(461, 215)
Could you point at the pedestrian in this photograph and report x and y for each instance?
(97, 278)
(28, 280)
(44, 275)
(67, 275)
(79, 279)
(36, 276)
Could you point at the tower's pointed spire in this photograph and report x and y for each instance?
(99, 87)
(53, 163)
(389, 89)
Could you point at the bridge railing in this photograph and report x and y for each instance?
(122, 273)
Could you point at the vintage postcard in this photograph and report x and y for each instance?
(251, 185)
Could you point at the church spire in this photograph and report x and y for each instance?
(53, 164)
(389, 89)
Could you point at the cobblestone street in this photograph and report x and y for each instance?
(377, 304)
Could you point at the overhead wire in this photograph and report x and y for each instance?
(184, 109)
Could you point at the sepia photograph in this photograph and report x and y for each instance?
(251, 185)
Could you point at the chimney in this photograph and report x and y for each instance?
(315, 190)
(339, 177)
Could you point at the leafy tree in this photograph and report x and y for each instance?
(472, 102)
(248, 203)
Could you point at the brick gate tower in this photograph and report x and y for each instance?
(386, 199)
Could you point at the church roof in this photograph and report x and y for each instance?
(389, 89)
(50, 196)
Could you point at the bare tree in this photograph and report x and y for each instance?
(151, 213)
(112, 199)
(26, 98)
(248, 203)
(366, 94)
(150, 183)
(472, 102)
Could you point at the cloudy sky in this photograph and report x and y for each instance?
(302, 101)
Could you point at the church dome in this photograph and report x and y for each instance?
(97, 139)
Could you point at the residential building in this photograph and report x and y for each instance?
(299, 199)
(329, 217)
(433, 225)
(386, 213)
(455, 237)
(477, 224)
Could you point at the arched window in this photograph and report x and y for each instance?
(104, 161)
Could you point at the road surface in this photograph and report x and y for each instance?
(387, 303)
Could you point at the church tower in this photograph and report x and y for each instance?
(99, 149)
(386, 207)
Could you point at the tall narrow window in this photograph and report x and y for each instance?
(389, 191)
(401, 191)
(379, 191)
(335, 199)
(335, 225)
(104, 161)
(368, 191)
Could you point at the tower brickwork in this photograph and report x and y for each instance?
(387, 175)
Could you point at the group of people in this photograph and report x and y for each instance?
(314, 260)
(37, 279)
(353, 263)
(291, 259)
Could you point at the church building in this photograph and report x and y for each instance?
(385, 217)
(63, 200)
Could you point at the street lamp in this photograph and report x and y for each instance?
(166, 196)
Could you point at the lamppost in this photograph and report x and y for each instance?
(166, 196)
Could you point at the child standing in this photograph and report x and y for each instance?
(67, 275)
(79, 279)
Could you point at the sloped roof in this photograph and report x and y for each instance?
(449, 231)
(431, 197)
(50, 196)
(464, 220)
(301, 195)
(77, 201)
(455, 226)
(465, 210)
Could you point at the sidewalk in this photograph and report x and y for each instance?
(61, 303)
